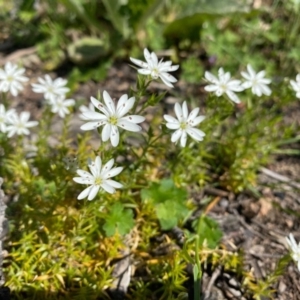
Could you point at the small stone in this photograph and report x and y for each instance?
(281, 287)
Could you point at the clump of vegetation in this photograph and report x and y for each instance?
(79, 211)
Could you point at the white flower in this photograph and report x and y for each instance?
(51, 88)
(60, 106)
(19, 124)
(296, 85)
(112, 117)
(223, 84)
(4, 116)
(256, 82)
(85, 109)
(156, 68)
(11, 79)
(98, 178)
(184, 124)
(295, 249)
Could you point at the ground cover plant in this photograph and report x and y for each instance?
(152, 186)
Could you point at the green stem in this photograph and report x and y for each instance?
(197, 280)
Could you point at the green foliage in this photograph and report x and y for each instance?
(192, 70)
(59, 244)
(208, 230)
(118, 220)
(169, 202)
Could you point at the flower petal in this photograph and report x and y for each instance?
(106, 132)
(114, 136)
(114, 184)
(109, 103)
(84, 193)
(176, 135)
(108, 188)
(93, 192)
(123, 123)
(183, 139)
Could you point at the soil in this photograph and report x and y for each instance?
(256, 224)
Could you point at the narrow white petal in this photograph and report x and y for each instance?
(109, 103)
(91, 125)
(134, 119)
(113, 172)
(210, 77)
(193, 114)
(185, 111)
(139, 62)
(123, 99)
(251, 71)
(125, 107)
(211, 88)
(183, 139)
(154, 59)
(32, 123)
(24, 116)
(107, 167)
(256, 91)
(196, 134)
(115, 136)
(106, 132)
(261, 74)
(99, 105)
(246, 75)
(167, 83)
(167, 77)
(166, 68)
(247, 84)
(176, 135)
(170, 119)
(232, 96)
(84, 193)
(114, 184)
(92, 115)
(148, 57)
(173, 126)
(98, 164)
(69, 102)
(144, 71)
(84, 173)
(83, 180)
(266, 90)
(93, 192)
(178, 111)
(123, 123)
(197, 120)
(108, 188)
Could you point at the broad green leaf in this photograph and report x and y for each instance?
(169, 202)
(118, 219)
(163, 191)
(216, 7)
(77, 7)
(120, 22)
(189, 21)
(209, 230)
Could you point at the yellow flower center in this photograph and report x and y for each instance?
(224, 87)
(98, 181)
(154, 73)
(113, 120)
(183, 125)
(10, 78)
